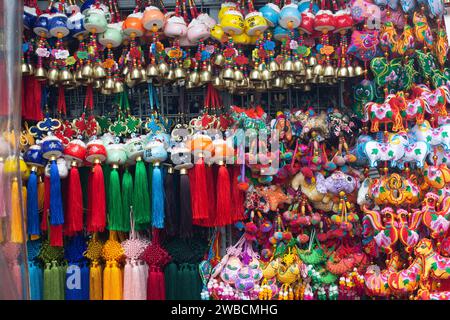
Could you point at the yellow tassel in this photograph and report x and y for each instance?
(116, 285)
(16, 214)
(95, 283)
(107, 281)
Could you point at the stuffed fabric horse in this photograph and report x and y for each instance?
(387, 112)
(434, 137)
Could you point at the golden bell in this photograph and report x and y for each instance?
(79, 76)
(144, 78)
(351, 71)
(255, 75)
(329, 71)
(205, 76)
(307, 87)
(268, 85)
(109, 84)
(118, 87)
(309, 74)
(289, 80)
(31, 67)
(99, 72)
(179, 73)
(98, 84)
(219, 60)
(163, 69)
(209, 68)
(274, 66)
(53, 75)
(318, 70)
(136, 74)
(262, 67)
(152, 71)
(189, 85)
(218, 83)
(287, 66)
(88, 82)
(25, 69)
(299, 66)
(228, 74)
(129, 82)
(125, 71)
(342, 72)
(194, 77)
(40, 74)
(266, 75)
(278, 83)
(105, 92)
(242, 84)
(359, 71)
(238, 75)
(322, 79)
(170, 75)
(312, 61)
(87, 72)
(65, 75)
(315, 79)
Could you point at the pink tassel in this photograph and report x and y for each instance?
(136, 281)
(143, 280)
(127, 283)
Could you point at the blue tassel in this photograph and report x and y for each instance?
(32, 205)
(84, 294)
(36, 275)
(56, 205)
(157, 198)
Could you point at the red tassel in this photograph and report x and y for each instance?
(223, 207)
(210, 178)
(237, 195)
(97, 216)
(56, 235)
(199, 192)
(156, 289)
(44, 226)
(74, 211)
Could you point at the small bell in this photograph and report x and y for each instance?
(125, 71)
(79, 76)
(189, 85)
(268, 85)
(109, 84)
(307, 87)
(219, 60)
(218, 83)
(118, 87)
(99, 72)
(179, 73)
(105, 92)
(65, 75)
(40, 74)
(351, 71)
(238, 75)
(31, 67)
(163, 69)
(359, 71)
(144, 78)
(312, 61)
(287, 66)
(129, 82)
(209, 68)
(299, 66)
(278, 83)
(266, 75)
(194, 77)
(242, 84)
(25, 69)
(170, 75)
(136, 74)
(309, 74)
(228, 74)
(322, 79)
(255, 75)
(53, 75)
(87, 72)
(342, 72)
(98, 84)
(289, 80)
(329, 71)
(205, 76)
(318, 70)
(152, 71)
(274, 66)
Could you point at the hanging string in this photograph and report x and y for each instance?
(61, 101)
(89, 101)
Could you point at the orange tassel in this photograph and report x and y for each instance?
(95, 283)
(16, 214)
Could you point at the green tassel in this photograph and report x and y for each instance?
(141, 197)
(115, 202)
(127, 199)
(106, 174)
(171, 284)
(62, 282)
(47, 282)
(54, 282)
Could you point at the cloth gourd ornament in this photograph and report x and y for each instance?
(135, 270)
(94, 254)
(112, 253)
(77, 272)
(35, 270)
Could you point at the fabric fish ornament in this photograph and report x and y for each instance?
(422, 30)
(364, 44)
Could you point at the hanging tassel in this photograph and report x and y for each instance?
(46, 204)
(115, 218)
(127, 199)
(36, 275)
(106, 175)
(32, 204)
(199, 192)
(155, 285)
(223, 208)
(127, 281)
(84, 294)
(238, 196)
(74, 207)
(2, 193)
(211, 196)
(116, 282)
(143, 273)
(157, 198)
(56, 206)
(185, 205)
(141, 199)
(41, 195)
(107, 281)
(136, 281)
(169, 192)
(95, 281)
(171, 283)
(16, 214)
(56, 236)
(47, 282)
(97, 217)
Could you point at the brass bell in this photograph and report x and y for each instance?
(118, 87)
(144, 78)
(289, 80)
(189, 85)
(205, 76)
(152, 71)
(98, 84)
(255, 75)
(40, 74)
(79, 76)
(307, 87)
(31, 67)
(209, 68)
(312, 61)
(65, 75)
(109, 84)
(25, 69)
(219, 60)
(274, 66)
(329, 71)
(88, 81)
(228, 74)
(342, 72)
(170, 75)
(268, 85)
(53, 75)
(136, 74)
(179, 73)
(287, 66)
(105, 92)
(315, 79)
(322, 79)
(238, 75)
(87, 71)
(309, 74)
(218, 83)
(318, 70)
(129, 82)
(266, 75)
(299, 66)
(278, 83)
(262, 67)
(351, 71)
(242, 84)
(99, 72)
(359, 71)
(163, 69)
(125, 71)
(194, 77)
